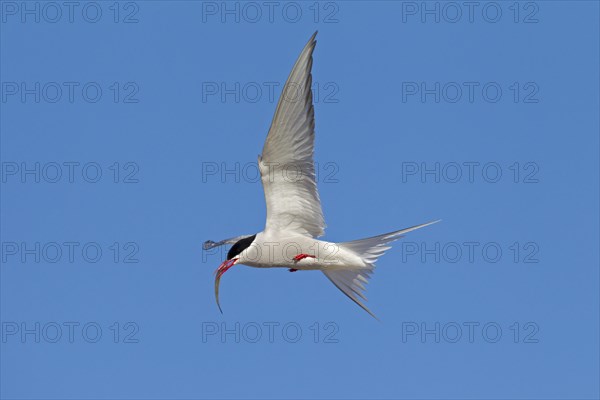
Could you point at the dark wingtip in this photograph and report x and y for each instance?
(312, 39)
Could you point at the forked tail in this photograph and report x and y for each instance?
(352, 281)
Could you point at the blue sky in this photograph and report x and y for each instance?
(129, 134)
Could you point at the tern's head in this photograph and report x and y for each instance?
(239, 246)
(233, 256)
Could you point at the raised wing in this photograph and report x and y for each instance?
(286, 164)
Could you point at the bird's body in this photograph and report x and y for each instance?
(272, 249)
(294, 215)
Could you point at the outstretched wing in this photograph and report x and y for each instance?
(286, 164)
(352, 283)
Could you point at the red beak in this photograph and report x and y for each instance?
(225, 265)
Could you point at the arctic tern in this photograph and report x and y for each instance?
(294, 216)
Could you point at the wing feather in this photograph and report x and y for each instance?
(350, 282)
(287, 164)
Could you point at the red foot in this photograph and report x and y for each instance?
(302, 256)
(292, 270)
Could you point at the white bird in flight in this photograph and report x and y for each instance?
(294, 216)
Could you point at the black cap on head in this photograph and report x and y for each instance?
(240, 246)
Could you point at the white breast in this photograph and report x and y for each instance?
(279, 250)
